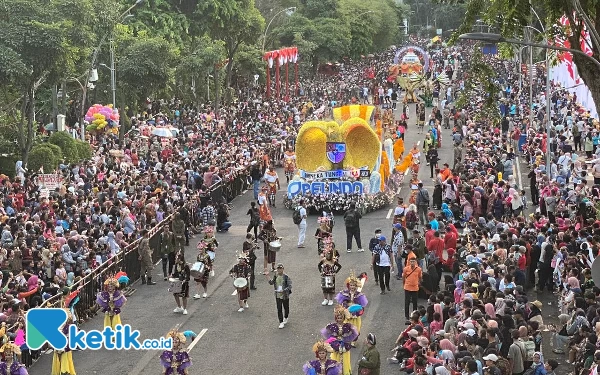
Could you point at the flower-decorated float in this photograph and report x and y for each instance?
(343, 161)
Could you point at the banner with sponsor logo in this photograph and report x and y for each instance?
(355, 173)
(49, 181)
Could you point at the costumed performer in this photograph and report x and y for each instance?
(340, 336)
(268, 234)
(202, 279)
(322, 232)
(177, 360)
(11, 365)
(263, 208)
(272, 180)
(322, 365)
(328, 267)
(62, 360)
(353, 300)
(111, 301)
(289, 163)
(181, 273)
(241, 270)
(211, 241)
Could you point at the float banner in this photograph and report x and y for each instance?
(318, 187)
(357, 173)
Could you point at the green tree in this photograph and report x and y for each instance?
(321, 8)
(39, 41)
(510, 18)
(44, 156)
(66, 143)
(234, 22)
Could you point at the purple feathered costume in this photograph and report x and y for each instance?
(345, 299)
(15, 369)
(175, 363)
(330, 367)
(342, 336)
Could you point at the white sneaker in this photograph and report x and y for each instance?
(361, 250)
(324, 302)
(349, 250)
(241, 309)
(204, 295)
(177, 310)
(196, 296)
(281, 325)
(330, 302)
(246, 306)
(184, 311)
(284, 320)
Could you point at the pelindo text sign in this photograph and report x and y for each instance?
(357, 173)
(316, 188)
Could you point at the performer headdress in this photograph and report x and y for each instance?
(322, 346)
(323, 219)
(175, 334)
(352, 280)
(9, 349)
(209, 229)
(111, 281)
(340, 311)
(201, 245)
(240, 256)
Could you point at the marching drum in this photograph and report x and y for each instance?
(327, 282)
(197, 269)
(240, 283)
(175, 286)
(275, 245)
(211, 254)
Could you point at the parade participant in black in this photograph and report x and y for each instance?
(241, 272)
(249, 248)
(202, 278)
(167, 251)
(328, 267)
(181, 273)
(268, 234)
(283, 288)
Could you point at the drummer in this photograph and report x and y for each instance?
(202, 278)
(182, 273)
(241, 270)
(249, 248)
(268, 234)
(328, 267)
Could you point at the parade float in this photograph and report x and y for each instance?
(348, 159)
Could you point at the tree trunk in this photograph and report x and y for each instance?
(590, 73)
(25, 127)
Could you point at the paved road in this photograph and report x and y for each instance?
(250, 342)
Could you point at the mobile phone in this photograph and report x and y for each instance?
(446, 361)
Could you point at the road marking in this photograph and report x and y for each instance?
(389, 214)
(418, 142)
(234, 292)
(193, 343)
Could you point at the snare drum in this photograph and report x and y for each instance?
(275, 245)
(175, 285)
(240, 283)
(197, 270)
(211, 254)
(328, 282)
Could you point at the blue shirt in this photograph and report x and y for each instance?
(190, 335)
(434, 224)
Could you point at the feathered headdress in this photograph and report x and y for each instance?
(321, 346)
(323, 219)
(352, 280)
(111, 281)
(202, 245)
(209, 229)
(175, 334)
(9, 349)
(240, 255)
(340, 311)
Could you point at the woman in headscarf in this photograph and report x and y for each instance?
(20, 171)
(458, 291)
(490, 311)
(112, 244)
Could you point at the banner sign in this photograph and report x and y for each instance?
(357, 173)
(318, 187)
(50, 181)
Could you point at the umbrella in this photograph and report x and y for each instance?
(162, 132)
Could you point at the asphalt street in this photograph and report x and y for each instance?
(250, 342)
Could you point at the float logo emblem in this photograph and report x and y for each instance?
(44, 326)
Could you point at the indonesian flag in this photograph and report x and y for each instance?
(567, 57)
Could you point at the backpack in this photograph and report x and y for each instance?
(296, 217)
(503, 365)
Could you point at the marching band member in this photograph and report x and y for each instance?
(340, 336)
(111, 300)
(352, 297)
(322, 365)
(268, 234)
(181, 272)
(249, 248)
(241, 270)
(328, 267)
(177, 360)
(263, 208)
(62, 360)
(323, 232)
(273, 182)
(289, 163)
(210, 239)
(11, 364)
(202, 280)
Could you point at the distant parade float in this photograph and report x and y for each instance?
(345, 161)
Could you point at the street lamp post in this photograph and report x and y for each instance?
(497, 38)
(121, 18)
(289, 10)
